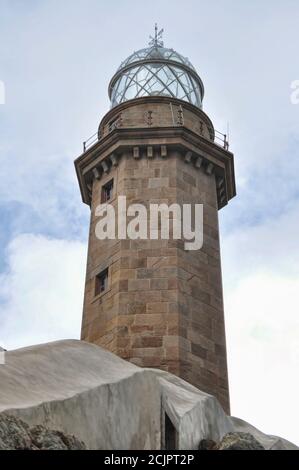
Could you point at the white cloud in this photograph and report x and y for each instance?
(42, 291)
(271, 245)
(263, 349)
(2, 92)
(261, 274)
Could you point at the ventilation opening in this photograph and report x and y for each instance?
(170, 434)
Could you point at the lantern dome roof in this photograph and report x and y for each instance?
(156, 71)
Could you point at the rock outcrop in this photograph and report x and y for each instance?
(79, 388)
(239, 441)
(232, 441)
(207, 444)
(15, 434)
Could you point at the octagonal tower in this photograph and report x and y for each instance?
(151, 301)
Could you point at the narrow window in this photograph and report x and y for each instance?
(101, 282)
(107, 191)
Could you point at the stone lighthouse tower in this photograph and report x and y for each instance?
(151, 301)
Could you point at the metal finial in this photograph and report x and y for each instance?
(157, 40)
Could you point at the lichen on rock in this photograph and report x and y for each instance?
(15, 434)
(239, 441)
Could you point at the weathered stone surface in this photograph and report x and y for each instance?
(232, 441)
(239, 441)
(268, 441)
(47, 439)
(15, 434)
(78, 388)
(70, 385)
(150, 280)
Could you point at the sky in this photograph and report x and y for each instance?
(56, 60)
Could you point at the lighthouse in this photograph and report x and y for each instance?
(149, 299)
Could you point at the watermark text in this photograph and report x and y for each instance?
(295, 93)
(158, 221)
(2, 92)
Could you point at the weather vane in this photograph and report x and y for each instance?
(157, 40)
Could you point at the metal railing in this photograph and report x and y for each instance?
(90, 141)
(219, 139)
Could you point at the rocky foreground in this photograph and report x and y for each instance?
(15, 434)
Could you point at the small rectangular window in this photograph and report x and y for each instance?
(107, 191)
(101, 282)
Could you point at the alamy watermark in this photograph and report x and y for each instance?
(162, 221)
(295, 93)
(2, 92)
(2, 356)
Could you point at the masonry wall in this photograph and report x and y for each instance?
(163, 306)
(202, 347)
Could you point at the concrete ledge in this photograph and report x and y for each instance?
(108, 403)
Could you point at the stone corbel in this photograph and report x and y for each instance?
(149, 152)
(136, 152)
(105, 167)
(210, 169)
(163, 151)
(96, 173)
(114, 159)
(188, 157)
(198, 162)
